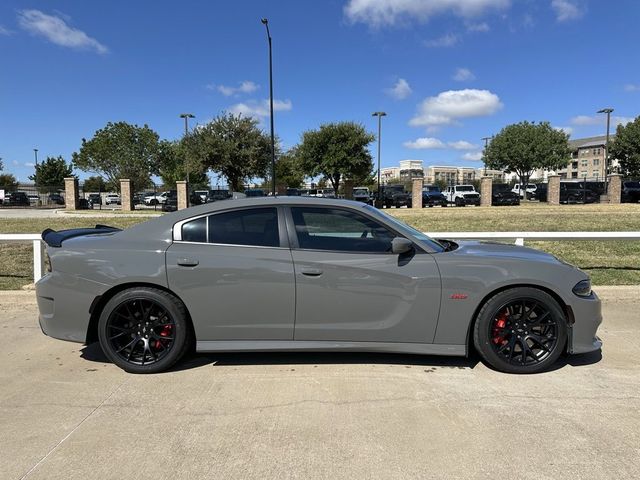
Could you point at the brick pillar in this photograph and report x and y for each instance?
(348, 189)
(614, 190)
(126, 196)
(416, 194)
(486, 184)
(181, 186)
(553, 190)
(71, 193)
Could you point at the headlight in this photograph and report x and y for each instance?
(583, 288)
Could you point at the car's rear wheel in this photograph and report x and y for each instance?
(144, 330)
(520, 330)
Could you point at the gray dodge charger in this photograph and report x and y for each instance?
(295, 273)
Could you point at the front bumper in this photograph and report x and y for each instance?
(587, 313)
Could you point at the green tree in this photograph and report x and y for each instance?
(288, 170)
(51, 173)
(626, 148)
(8, 182)
(525, 147)
(94, 184)
(171, 165)
(336, 151)
(120, 150)
(231, 145)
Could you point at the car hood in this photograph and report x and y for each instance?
(476, 248)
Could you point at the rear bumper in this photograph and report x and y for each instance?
(583, 333)
(64, 301)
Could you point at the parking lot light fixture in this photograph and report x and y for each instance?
(186, 117)
(606, 145)
(265, 22)
(379, 115)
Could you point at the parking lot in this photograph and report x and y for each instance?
(68, 413)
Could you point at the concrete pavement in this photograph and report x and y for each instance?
(66, 413)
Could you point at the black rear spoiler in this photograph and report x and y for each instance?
(55, 238)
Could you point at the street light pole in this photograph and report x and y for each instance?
(265, 22)
(606, 146)
(486, 144)
(379, 115)
(186, 117)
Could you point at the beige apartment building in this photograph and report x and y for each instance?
(587, 158)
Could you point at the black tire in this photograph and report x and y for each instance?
(133, 302)
(502, 345)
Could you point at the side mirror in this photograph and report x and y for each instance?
(401, 245)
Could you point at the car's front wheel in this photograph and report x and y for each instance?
(520, 330)
(144, 330)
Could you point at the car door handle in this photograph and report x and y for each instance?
(187, 262)
(311, 272)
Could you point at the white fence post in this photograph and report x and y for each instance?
(38, 260)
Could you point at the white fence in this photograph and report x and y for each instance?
(518, 237)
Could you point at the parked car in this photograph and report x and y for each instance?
(156, 198)
(362, 194)
(570, 192)
(501, 194)
(254, 192)
(34, 198)
(16, 199)
(631, 191)
(542, 190)
(217, 195)
(283, 273)
(112, 199)
(394, 196)
(432, 196)
(462, 195)
(293, 192)
(529, 191)
(56, 199)
(170, 203)
(202, 194)
(327, 193)
(84, 204)
(95, 199)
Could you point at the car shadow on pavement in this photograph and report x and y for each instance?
(94, 353)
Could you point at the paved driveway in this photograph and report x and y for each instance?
(65, 413)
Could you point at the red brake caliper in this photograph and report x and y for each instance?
(498, 329)
(165, 332)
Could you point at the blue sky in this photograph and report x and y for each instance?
(447, 72)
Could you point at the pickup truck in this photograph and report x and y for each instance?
(462, 195)
(362, 194)
(156, 199)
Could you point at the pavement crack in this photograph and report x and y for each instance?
(55, 447)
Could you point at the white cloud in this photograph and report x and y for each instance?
(448, 40)
(29, 164)
(5, 31)
(600, 119)
(472, 156)
(446, 107)
(425, 143)
(463, 75)
(381, 13)
(253, 108)
(567, 130)
(462, 145)
(566, 10)
(56, 30)
(15, 163)
(244, 87)
(631, 87)
(400, 90)
(478, 27)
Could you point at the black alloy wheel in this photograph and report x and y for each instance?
(144, 330)
(521, 330)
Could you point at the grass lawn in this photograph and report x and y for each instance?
(608, 262)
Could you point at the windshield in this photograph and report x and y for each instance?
(464, 188)
(632, 184)
(361, 191)
(403, 227)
